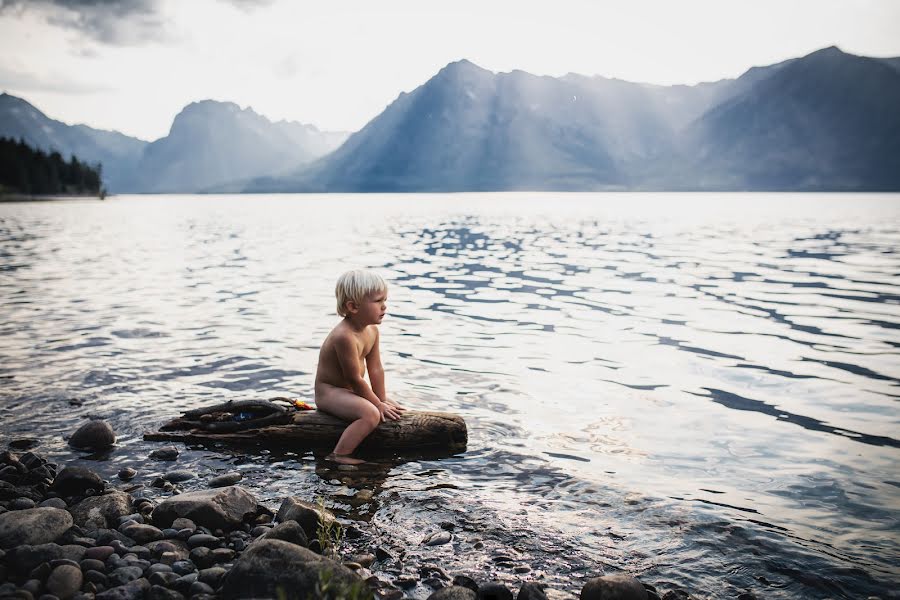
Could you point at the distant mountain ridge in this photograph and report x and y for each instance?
(118, 153)
(210, 143)
(824, 121)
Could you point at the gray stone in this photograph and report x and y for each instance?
(165, 453)
(182, 523)
(134, 590)
(225, 479)
(162, 578)
(127, 474)
(453, 592)
(305, 513)
(198, 587)
(124, 575)
(178, 476)
(613, 587)
(200, 556)
(158, 592)
(212, 576)
(204, 539)
(33, 526)
(175, 547)
(183, 567)
(53, 503)
(77, 481)
(95, 435)
(142, 534)
(220, 508)
(95, 577)
(437, 539)
(493, 591)
(288, 531)
(222, 555)
(21, 504)
(270, 565)
(101, 512)
(99, 552)
(92, 563)
(65, 581)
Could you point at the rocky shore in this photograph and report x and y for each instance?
(66, 533)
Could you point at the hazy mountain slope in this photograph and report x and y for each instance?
(212, 143)
(470, 129)
(826, 121)
(118, 153)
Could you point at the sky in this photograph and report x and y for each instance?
(132, 65)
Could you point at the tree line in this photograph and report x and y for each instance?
(28, 171)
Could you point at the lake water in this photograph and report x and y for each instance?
(698, 389)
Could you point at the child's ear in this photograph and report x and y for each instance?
(352, 307)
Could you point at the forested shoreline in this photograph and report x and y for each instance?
(25, 171)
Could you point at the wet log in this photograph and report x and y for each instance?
(307, 430)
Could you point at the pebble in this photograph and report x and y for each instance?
(65, 581)
(438, 538)
(54, 503)
(221, 555)
(183, 567)
(95, 577)
(162, 578)
(158, 592)
(21, 504)
(127, 474)
(99, 552)
(124, 575)
(183, 523)
(494, 591)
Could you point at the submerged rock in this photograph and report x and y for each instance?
(33, 526)
(221, 508)
(93, 435)
(613, 587)
(165, 453)
(127, 474)
(225, 479)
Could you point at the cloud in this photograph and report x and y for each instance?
(112, 22)
(22, 81)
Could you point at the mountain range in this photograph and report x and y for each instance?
(210, 143)
(825, 121)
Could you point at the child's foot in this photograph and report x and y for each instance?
(344, 459)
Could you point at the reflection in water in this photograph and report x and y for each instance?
(619, 360)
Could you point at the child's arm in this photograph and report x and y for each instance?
(376, 370)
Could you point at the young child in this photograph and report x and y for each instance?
(349, 350)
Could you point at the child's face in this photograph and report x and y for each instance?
(373, 308)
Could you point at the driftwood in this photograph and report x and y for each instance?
(306, 430)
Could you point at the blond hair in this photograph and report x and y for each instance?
(356, 285)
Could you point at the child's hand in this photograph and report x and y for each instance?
(389, 411)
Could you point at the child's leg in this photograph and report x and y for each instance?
(347, 406)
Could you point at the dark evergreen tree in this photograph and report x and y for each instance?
(24, 170)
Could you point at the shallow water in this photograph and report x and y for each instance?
(698, 389)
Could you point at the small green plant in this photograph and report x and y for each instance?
(329, 533)
(328, 588)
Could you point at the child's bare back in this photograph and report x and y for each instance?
(349, 351)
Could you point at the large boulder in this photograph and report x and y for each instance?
(279, 569)
(77, 481)
(102, 512)
(613, 587)
(307, 514)
(220, 508)
(93, 435)
(33, 526)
